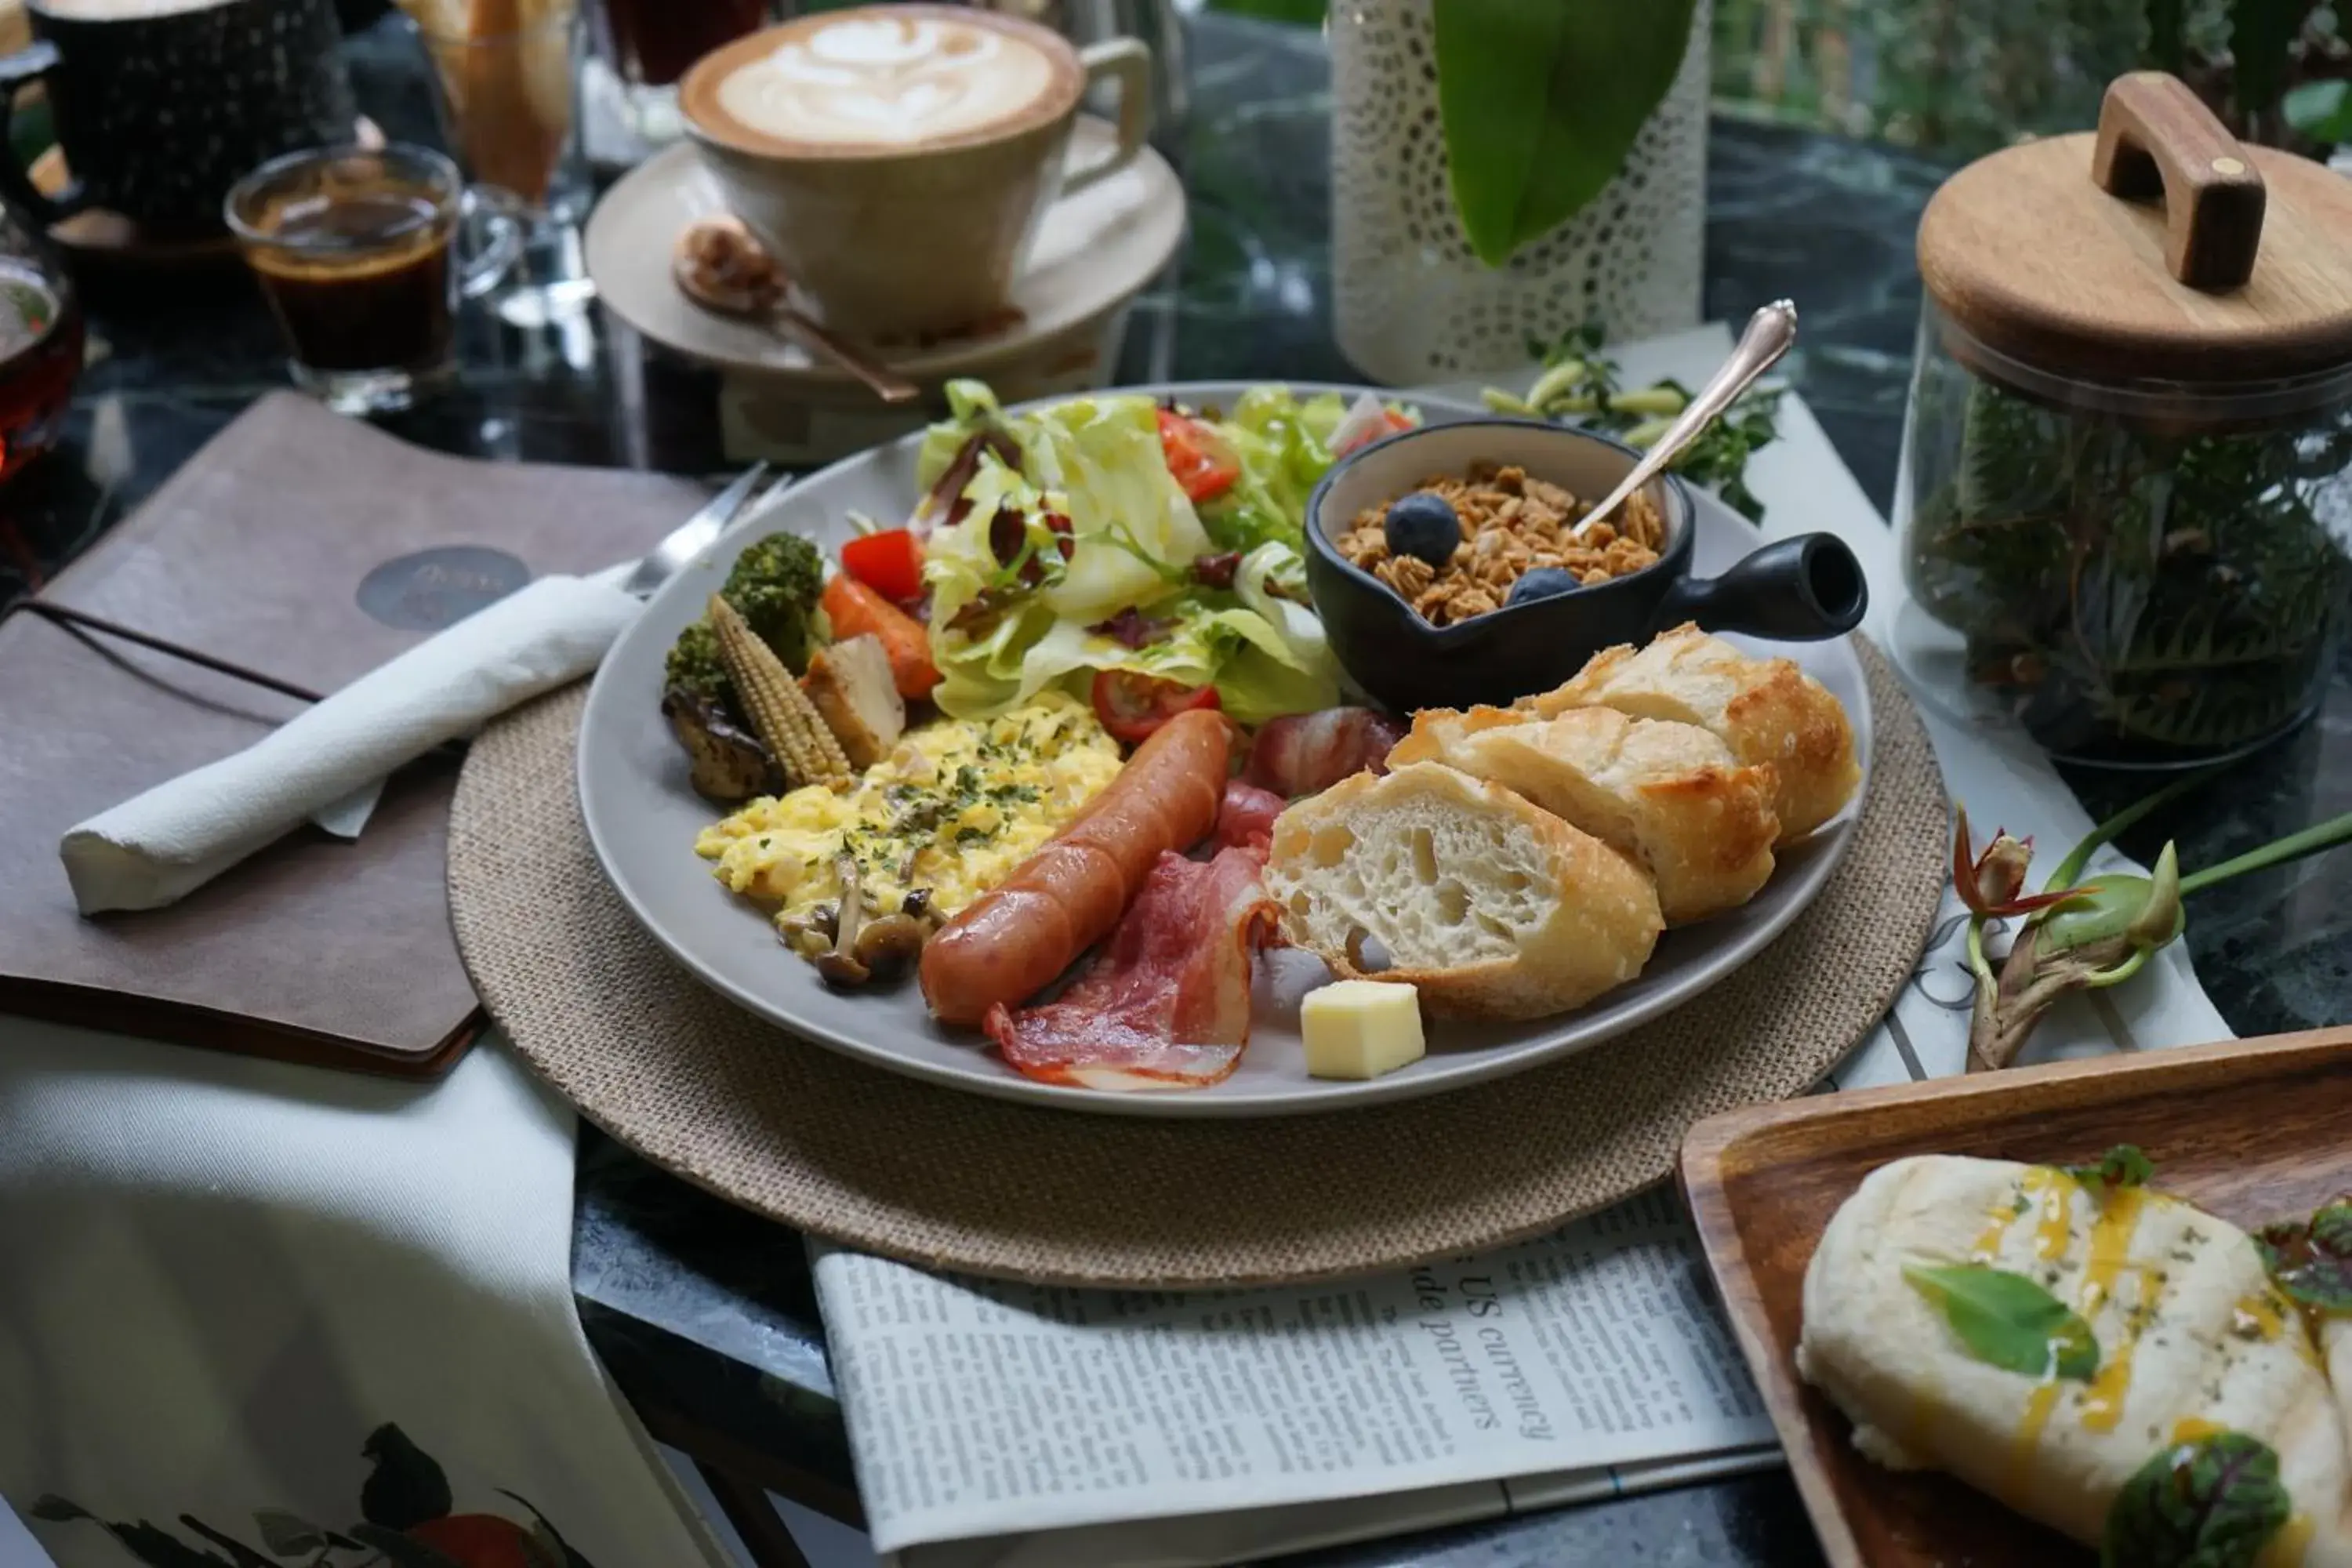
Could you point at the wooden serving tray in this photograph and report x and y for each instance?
(2250, 1129)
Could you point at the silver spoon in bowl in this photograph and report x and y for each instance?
(1770, 333)
(722, 266)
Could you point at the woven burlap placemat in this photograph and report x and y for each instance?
(892, 1165)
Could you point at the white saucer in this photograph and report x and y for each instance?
(1095, 251)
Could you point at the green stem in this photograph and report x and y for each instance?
(1553, 385)
(1649, 401)
(2122, 971)
(2294, 847)
(1978, 965)
(2072, 867)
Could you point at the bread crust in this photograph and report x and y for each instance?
(1767, 710)
(1598, 921)
(1670, 795)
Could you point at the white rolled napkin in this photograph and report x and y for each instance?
(162, 845)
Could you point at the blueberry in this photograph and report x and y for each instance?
(1543, 583)
(1423, 524)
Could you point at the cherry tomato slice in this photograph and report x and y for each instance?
(1131, 706)
(1197, 456)
(1391, 422)
(890, 563)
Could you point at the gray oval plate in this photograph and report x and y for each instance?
(643, 817)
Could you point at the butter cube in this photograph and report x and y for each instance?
(1361, 1028)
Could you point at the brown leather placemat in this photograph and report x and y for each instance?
(944, 1179)
(308, 548)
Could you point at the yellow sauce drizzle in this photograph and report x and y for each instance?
(2269, 1316)
(2109, 1251)
(2102, 1402)
(2029, 1432)
(2111, 1236)
(2259, 1315)
(1998, 1219)
(2189, 1428)
(2056, 1230)
(2286, 1549)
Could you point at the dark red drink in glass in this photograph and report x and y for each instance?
(649, 43)
(40, 356)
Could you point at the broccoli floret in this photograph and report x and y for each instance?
(774, 585)
(693, 668)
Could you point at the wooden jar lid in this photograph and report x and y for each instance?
(2070, 254)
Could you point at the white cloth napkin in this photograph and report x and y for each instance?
(249, 1301)
(164, 844)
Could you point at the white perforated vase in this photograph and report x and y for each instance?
(1411, 301)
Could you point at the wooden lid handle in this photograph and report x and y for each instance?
(2157, 139)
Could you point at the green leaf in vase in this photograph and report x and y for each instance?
(2312, 1263)
(2007, 1320)
(2121, 1166)
(2212, 1502)
(2320, 110)
(1541, 102)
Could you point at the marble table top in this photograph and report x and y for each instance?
(704, 1313)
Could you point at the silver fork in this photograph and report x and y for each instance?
(695, 535)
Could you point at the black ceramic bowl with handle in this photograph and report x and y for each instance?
(1799, 589)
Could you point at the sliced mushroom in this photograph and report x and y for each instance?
(840, 966)
(727, 764)
(888, 947)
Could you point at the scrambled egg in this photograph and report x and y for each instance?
(954, 809)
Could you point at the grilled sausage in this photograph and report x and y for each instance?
(1010, 943)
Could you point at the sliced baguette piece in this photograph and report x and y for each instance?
(1670, 795)
(1766, 709)
(851, 684)
(1493, 907)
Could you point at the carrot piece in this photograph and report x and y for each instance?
(855, 609)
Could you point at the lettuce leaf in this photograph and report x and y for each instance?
(1257, 673)
(1137, 535)
(1284, 444)
(1099, 462)
(971, 408)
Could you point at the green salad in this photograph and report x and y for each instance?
(1150, 557)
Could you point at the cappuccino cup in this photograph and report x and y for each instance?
(895, 159)
(162, 105)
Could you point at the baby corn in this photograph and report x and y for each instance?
(779, 710)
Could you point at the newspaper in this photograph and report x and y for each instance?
(1013, 1427)
(984, 1408)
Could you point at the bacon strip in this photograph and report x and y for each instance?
(1166, 1005)
(1306, 753)
(1245, 816)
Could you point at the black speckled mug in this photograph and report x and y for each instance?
(162, 104)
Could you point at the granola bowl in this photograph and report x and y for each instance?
(1417, 635)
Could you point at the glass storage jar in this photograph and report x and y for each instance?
(2124, 510)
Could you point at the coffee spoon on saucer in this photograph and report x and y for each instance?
(722, 266)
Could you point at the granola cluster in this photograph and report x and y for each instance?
(1511, 524)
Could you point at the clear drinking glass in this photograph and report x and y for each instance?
(646, 45)
(507, 70)
(359, 251)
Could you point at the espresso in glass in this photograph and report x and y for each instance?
(353, 248)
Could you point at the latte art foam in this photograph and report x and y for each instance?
(865, 80)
